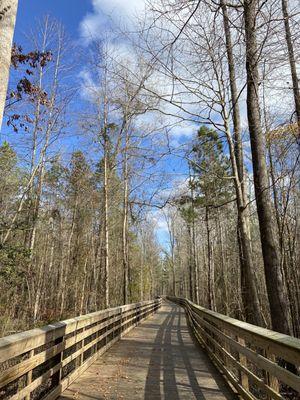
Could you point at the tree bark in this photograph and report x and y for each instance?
(8, 8)
(125, 223)
(223, 259)
(106, 173)
(210, 265)
(106, 229)
(195, 264)
(275, 287)
(249, 291)
(194, 251)
(238, 147)
(191, 263)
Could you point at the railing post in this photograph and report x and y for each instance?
(243, 360)
(121, 319)
(113, 328)
(29, 375)
(106, 337)
(82, 346)
(272, 381)
(226, 347)
(136, 315)
(56, 378)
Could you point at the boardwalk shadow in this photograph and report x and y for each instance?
(157, 361)
(176, 369)
(161, 362)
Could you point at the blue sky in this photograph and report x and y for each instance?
(69, 12)
(84, 17)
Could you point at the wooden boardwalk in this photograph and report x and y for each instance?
(156, 360)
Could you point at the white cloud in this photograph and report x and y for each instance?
(180, 187)
(159, 220)
(92, 25)
(89, 89)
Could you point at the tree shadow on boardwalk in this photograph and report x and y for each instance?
(157, 360)
(178, 369)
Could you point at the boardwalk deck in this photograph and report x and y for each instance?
(156, 360)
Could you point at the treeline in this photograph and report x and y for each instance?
(54, 267)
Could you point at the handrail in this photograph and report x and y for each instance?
(253, 359)
(42, 363)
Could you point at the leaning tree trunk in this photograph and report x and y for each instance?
(279, 307)
(8, 12)
(291, 55)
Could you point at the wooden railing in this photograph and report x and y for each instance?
(259, 363)
(41, 363)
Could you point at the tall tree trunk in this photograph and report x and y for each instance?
(106, 173)
(65, 266)
(248, 279)
(142, 271)
(195, 263)
(275, 286)
(106, 228)
(286, 264)
(171, 232)
(191, 262)
(210, 265)
(125, 222)
(173, 278)
(224, 275)
(291, 55)
(8, 10)
(194, 252)
(238, 147)
(83, 288)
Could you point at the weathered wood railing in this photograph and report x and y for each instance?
(259, 363)
(42, 362)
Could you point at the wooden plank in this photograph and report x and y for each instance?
(37, 382)
(231, 378)
(282, 345)
(74, 375)
(243, 361)
(272, 380)
(29, 375)
(267, 339)
(282, 374)
(20, 343)
(259, 382)
(23, 367)
(14, 345)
